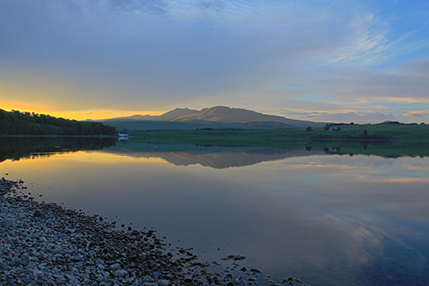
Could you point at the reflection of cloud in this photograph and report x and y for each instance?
(374, 242)
(365, 237)
(393, 193)
(319, 165)
(346, 241)
(333, 168)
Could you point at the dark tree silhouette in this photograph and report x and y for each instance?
(26, 123)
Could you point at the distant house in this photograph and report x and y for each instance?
(334, 128)
(123, 134)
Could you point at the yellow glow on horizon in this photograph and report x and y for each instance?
(95, 114)
(105, 114)
(25, 107)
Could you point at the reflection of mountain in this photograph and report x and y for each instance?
(184, 155)
(214, 157)
(231, 158)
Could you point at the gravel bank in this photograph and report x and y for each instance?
(46, 244)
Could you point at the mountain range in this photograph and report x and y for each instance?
(218, 117)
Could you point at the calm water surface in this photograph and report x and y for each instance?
(325, 218)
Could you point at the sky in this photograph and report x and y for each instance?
(357, 61)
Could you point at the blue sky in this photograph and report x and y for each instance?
(361, 61)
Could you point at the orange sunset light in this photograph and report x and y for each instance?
(74, 114)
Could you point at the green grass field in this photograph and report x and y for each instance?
(390, 140)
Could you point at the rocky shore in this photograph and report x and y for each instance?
(46, 244)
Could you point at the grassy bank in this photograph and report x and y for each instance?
(389, 140)
(277, 137)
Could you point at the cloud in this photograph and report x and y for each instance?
(368, 43)
(186, 56)
(416, 113)
(216, 5)
(170, 53)
(379, 35)
(344, 117)
(155, 7)
(407, 83)
(416, 68)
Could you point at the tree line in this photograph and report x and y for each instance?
(25, 123)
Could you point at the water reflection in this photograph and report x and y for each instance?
(328, 219)
(213, 156)
(23, 147)
(183, 155)
(223, 157)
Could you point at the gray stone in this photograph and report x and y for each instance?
(115, 266)
(148, 278)
(163, 282)
(121, 273)
(9, 222)
(37, 273)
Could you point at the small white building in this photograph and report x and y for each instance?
(123, 135)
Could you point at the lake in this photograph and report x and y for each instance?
(326, 218)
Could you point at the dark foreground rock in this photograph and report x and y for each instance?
(46, 244)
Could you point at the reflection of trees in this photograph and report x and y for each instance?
(26, 147)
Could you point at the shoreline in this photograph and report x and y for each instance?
(47, 244)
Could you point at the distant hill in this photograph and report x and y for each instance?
(218, 117)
